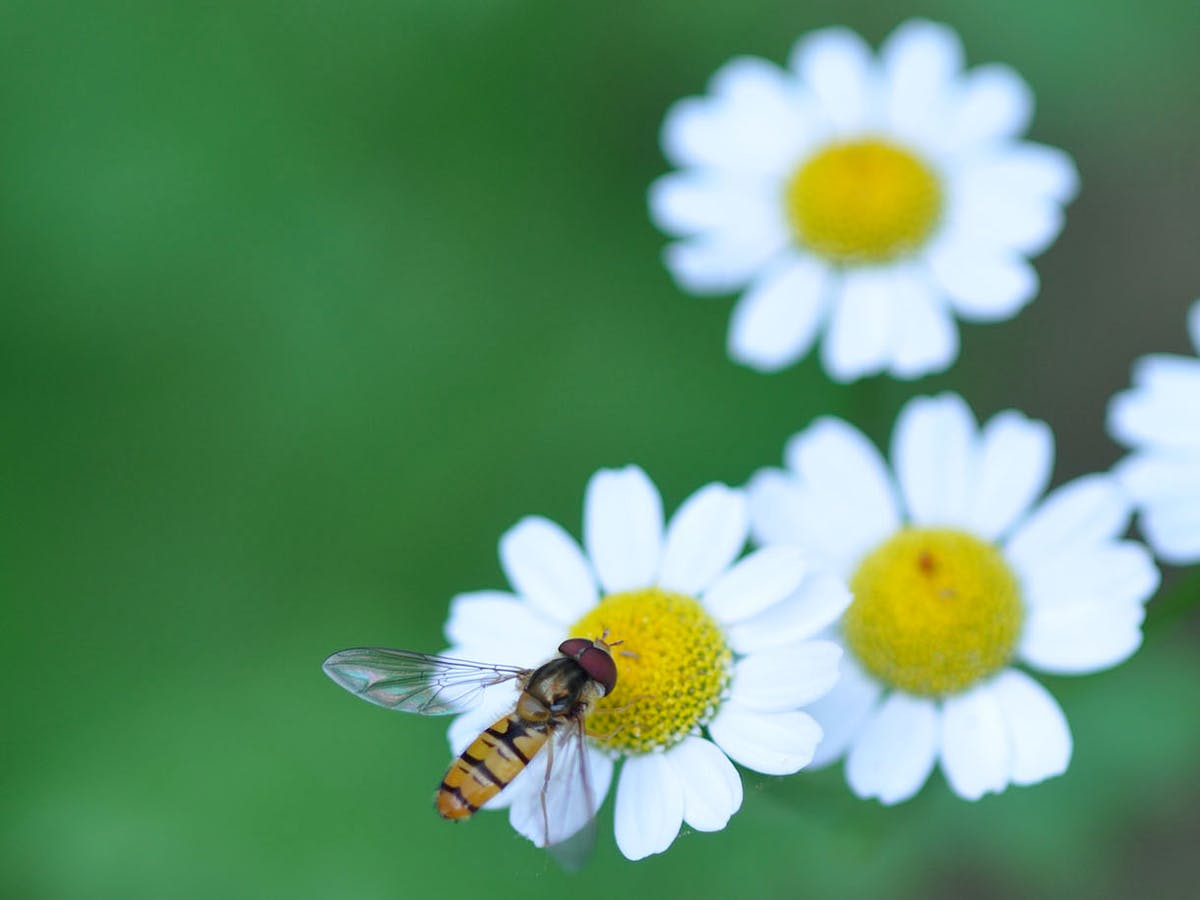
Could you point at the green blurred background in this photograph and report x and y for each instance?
(304, 303)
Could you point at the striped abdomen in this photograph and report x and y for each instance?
(494, 759)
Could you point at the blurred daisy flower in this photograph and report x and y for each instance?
(959, 573)
(873, 198)
(715, 660)
(1159, 418)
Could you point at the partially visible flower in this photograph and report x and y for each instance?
(1159, 419)
(874, 199)
(714, 664)
(961, 578)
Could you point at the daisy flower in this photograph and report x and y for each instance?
(715, 661)
(874, 198)
(1159, 418)
(960, 575)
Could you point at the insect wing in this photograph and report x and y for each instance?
(415, 682)
(560, 815)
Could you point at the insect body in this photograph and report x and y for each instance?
(550, 715)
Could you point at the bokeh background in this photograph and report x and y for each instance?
(302, 304)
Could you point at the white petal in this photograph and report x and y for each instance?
(754, 120)
(720, 263)
(649, 808)
(975, 751)
(772, 743)
(545, 566)
(1114, 573)
(895, 751)
(1015, 457)
(570, 807)
(934, 453)
(836, 65)
(1161, 409)
(761, 579)
(622, 528)
(1037, 729)
(704, 537)
(921, 61)
(1028, 170)
(494, 618)
(786, 677)
(984, 284)
(1172, 523)
(1075, 638)
(989, 214)
(844, 711)
(925, 338)
(1079, 514)
(847, 504)
(776, 321)
(861, 327)
(712, 788)
(688, 203)
(995, 104)
(819, 602)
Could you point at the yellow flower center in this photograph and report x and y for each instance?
(864, 201)
(934, 611)
(672, 669)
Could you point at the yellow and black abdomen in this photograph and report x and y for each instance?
(493, 760)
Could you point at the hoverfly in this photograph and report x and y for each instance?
(550, 712)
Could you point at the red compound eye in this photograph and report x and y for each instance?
(596, 662)
(574, 647)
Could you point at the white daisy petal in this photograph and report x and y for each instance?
(703, 538)
(688, 203)
(934, 452)
(819, 602)
(765, 113)
(844, 711)
(1112, 574)
(1016, 455)
(860, 329)
(925, 338)
(1081, 513)
(841, 502)
(718, 264)
(921, 61)
(836, 65)
(984, 284)
(496, 618)
(895, 750)
(649, 808)
(975, 750)
(1038, 736)
(786, 677)
(1027, 170)
(776, 321)
(990, 216)
(1161, 408)
(712, 788)
(547, 568)
(1074, 638)
(622, 528)
(778, 743)
(995, 104)
(761, 579)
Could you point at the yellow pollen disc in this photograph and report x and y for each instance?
(935, 610)
(864, 201)
(672, 669)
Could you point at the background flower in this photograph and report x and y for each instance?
(872, 198)
(1159, 418)
(961, 571)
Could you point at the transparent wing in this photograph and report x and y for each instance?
(415, 682)
(561, 814)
